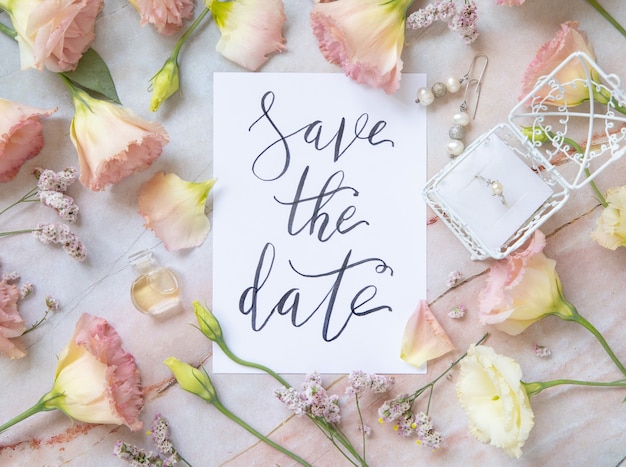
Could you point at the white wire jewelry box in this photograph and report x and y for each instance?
(570, 120)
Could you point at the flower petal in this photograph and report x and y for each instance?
(174, 209)
(424, 339)
(165, 15)
(12, 324)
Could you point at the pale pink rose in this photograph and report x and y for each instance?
(572, 77)
(112, 141)
(53, 33)
(165, 15)
(251, 30)
(364, 37)
(523, 288)
(610, 231)
(175, 210)
(12, 325)
(424, 338)
(96, 381)
(21, 136)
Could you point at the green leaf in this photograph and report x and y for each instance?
(93, 75)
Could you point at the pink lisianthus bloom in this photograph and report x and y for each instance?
(112, 141)
(364, 37)
(250, 30)
(572, 77)
(12, 325)
(175, 210)
(523, 288)
(610, 231)
(165, 15)
(53, 33)
(424, 338)
(21, 136)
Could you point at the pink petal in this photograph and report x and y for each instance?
(112, 141)
(174, 209)
(12, 325)
(165, 15)
(424, 338)
(21, 136)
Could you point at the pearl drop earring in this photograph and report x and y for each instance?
(461, 118)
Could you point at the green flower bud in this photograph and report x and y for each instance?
(165, 83)
(208, 323)
(192, 379)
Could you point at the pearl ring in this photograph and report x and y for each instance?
(497, 189)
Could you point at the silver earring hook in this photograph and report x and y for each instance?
(475, 83)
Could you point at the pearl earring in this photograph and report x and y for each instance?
(461, 118)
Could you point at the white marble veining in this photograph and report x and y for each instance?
(573, 426)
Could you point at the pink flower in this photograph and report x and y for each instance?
(112, 141)
(175, 210)
(523, 288)
(53, 33)
(21, 136)
(424, 339)
(11, 323)
(510, 2)
(572, 77)
(165, 15)
(96, 380)
(364, 37)
(250, 30)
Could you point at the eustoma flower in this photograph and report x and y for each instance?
(424, 338)
(12, 324)
(610, 231)
(523, 288)
(21, 136)
(165, 15)
(112, 141)
(96, 381)
(497, 402)
(250, 30)
(175, 210)
(53, 33)
(364, 37)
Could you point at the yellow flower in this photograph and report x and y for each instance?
(364, 37)
(424, 339)
(495, 401)
(165, 83)
(209, 325)
(112, 141)
(250, 30)
(523, 288)
(571, 77)
(175, 210)
(192, 379)
(610, 231)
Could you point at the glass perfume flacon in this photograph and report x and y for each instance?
(155, 290)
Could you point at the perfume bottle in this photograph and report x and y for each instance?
(156, 290)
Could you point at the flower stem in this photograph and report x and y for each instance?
(26, 198)
(188, 32)
(17, 232)
(535, 388)
(258, 366)
(578, 149)
(40, 406)
(600, 9)
(219, 406)
(7, 31)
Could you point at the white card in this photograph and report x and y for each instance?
(319, 227)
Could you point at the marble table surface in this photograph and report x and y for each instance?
(573, 426)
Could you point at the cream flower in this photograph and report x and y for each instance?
(424, 339)
(165, 15)
(21, 136)
(497, 406)
(174, 209)
(610, 231)
(523, 288)
(250, 30)
(112, 141)
(12, 325)
(96, 380)
(53, 33)
(572, 77)
(364, 37)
